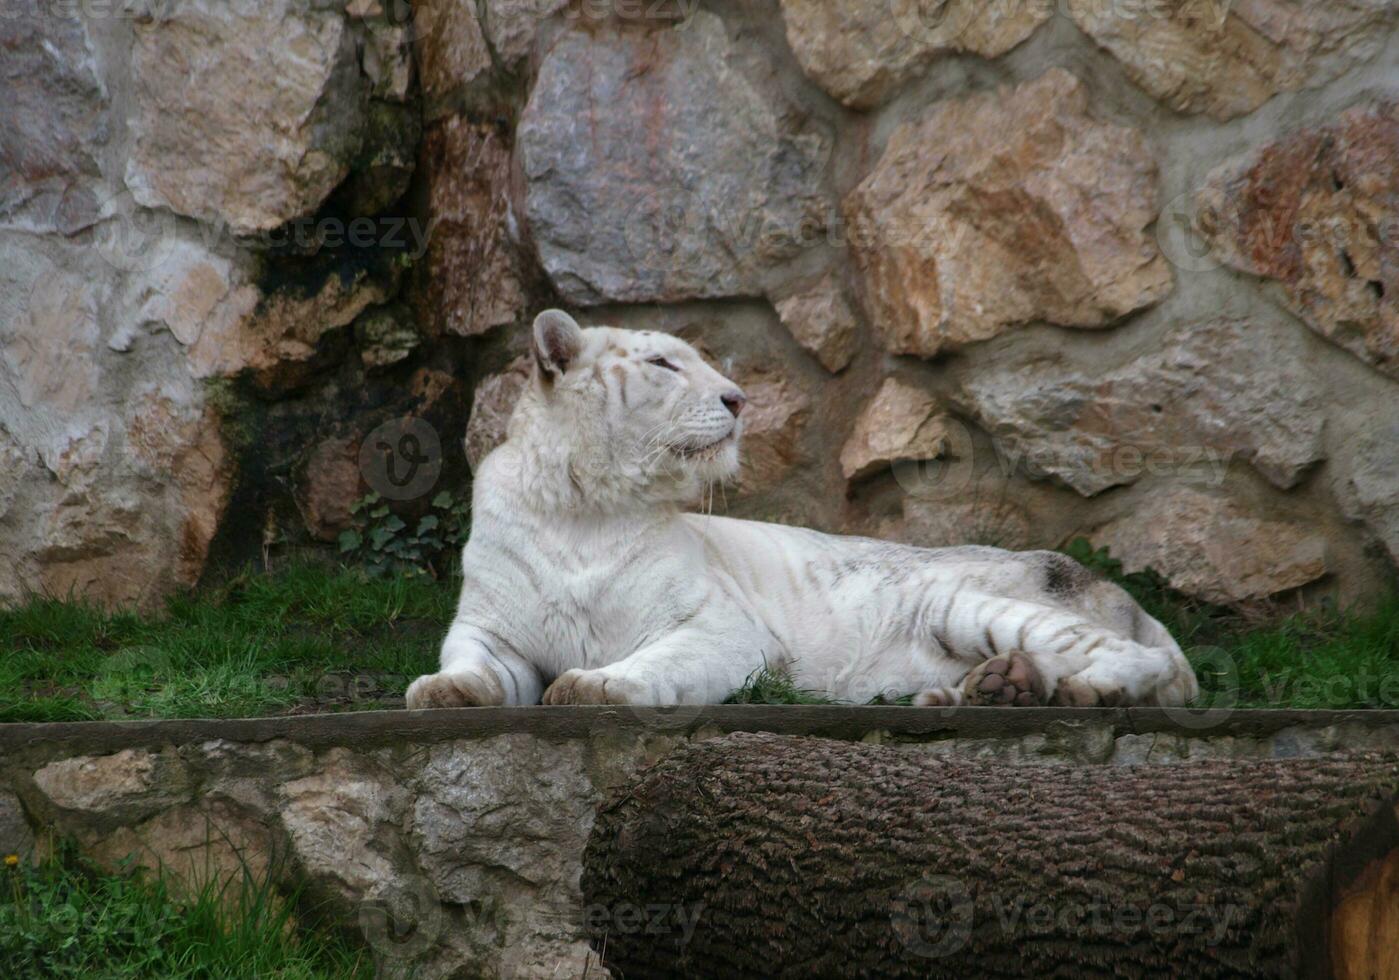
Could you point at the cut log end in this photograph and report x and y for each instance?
(1365, 923)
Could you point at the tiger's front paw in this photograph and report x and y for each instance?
(462, 689)
(1011, 679)
(600, 687)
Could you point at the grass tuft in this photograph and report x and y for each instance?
(66, 919)
(768, 686)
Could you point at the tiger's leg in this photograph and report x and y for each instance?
(688, 666)
(1078, 661)
(475, 673)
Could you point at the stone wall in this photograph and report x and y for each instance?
(468, 825)
(1007, 272)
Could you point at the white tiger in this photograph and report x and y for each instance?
(585, 583)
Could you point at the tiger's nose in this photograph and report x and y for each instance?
(734, 401)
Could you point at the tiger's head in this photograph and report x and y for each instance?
(632, 415)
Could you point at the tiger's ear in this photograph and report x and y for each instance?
(557, 342)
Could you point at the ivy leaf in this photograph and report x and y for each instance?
(443, 501)
(350, 541)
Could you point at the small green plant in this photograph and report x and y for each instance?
(768, 686)
(385, 544)
(64, 918)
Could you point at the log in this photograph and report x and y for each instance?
(770, 856)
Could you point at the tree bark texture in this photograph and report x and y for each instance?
(772, 856)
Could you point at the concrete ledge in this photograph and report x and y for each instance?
(375, 728)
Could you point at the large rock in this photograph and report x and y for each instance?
(861, 52)
(493, 818)
(15, 836)
(388, 53)
(125, 786)
(14, 461)
(177, 446)
(49, 348)
(1003, 208)
(1316, 211)
(230, 324)
(449, 47)
(342, 821)
(1226, 58)
(773, 423)
(665, 166)
(491, 408)
(900, 422)
(276, 338)
(1369, 487)
(1203, 397)
(243, 115)
(328, 486)
(473, 278)
(117, 471)
(53, 120)
(511, 25)
(820, 319)
(1214, 548)
(212, 843)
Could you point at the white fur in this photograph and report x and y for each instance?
(586, 583)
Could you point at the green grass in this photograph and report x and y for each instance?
(308, 638)
(768, 686)
(317, 639)
(66, 919)
(1322, 657)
